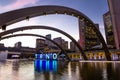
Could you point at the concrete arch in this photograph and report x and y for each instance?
(48, 28)
(26, 13)
(15, 35)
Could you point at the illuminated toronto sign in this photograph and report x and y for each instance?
(46, 56)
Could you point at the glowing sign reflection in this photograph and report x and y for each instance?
(45, 65)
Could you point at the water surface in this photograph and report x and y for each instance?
(58, 70)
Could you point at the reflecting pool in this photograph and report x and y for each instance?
(58, 70)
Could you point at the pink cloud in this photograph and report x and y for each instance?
(17, 4)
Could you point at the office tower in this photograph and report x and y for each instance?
(66, 45)
(72, 46)
(40, 44)
(88, 37)
(109, 30)
(61, 42)
(114, 8)
(49, 44)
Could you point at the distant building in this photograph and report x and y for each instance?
(49, 43)
(88, 37)
(73, 47)
(109, 29)
(61, 42)
(58, 40)
(1, 45)
(23, 52)
(18, 45)
(114, 8)
(40, 44)
(66, 45)
(27, 51)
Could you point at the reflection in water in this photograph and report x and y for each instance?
(91, 71)
(15, 69)
(113, 71)
(15, 64)
(45, 69)
(58, 70)
(45, 65)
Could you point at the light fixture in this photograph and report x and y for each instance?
(56, 12)
(4, 27)
(82, 19)
(72, 14)
(65, 13)
(27, 18)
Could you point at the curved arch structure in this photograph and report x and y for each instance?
(45, 27)
(6, 37)
(26, 13)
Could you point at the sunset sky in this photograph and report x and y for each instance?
(94, 9)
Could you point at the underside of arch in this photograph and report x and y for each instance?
(26, 13)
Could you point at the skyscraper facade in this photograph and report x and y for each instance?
(58, 40)
(61, 42)
(114, 8)
(109, 29)
(88, 37)
(66, 45)
(49, 43)
(40, 44)
(72, 46)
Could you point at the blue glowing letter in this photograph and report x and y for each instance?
(47, 56)
(54, 56)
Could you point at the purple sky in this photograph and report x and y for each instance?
(94, 9)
